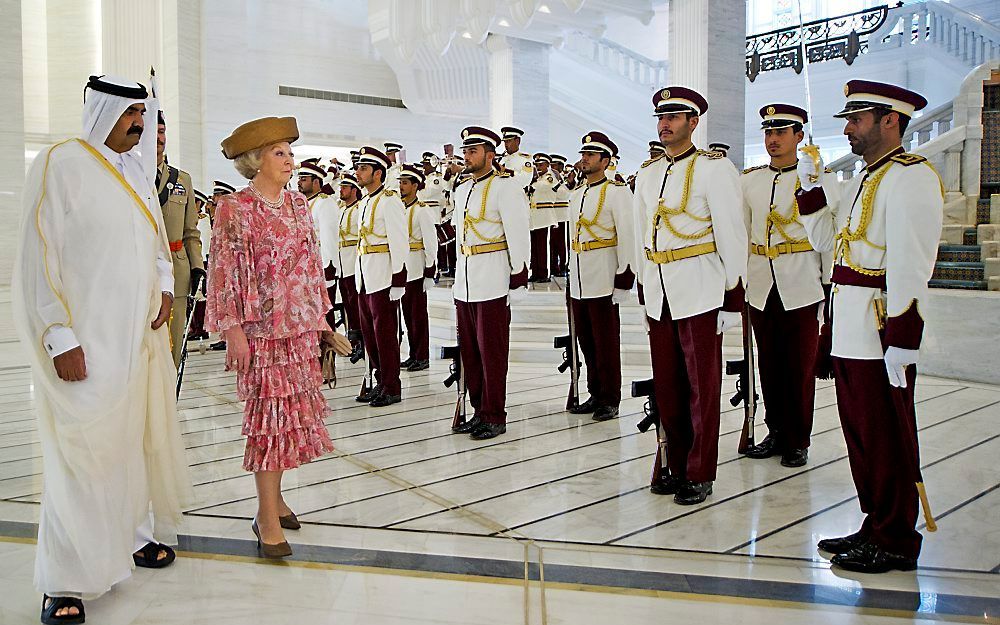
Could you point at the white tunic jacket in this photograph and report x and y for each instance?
(714, 214)
(381, 222)
(422, 235)
(797, 275)
(600, 214)
(498, 212)
(905, 199)
(545, 202)
(347, 239)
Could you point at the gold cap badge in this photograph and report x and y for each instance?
(665, 94)
(770, 110)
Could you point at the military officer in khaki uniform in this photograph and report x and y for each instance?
(180, 218)
(884, 233)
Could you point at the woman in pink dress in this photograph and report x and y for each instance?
(267, 295)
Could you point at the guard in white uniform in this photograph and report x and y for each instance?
(884, 235)
(420, 267)
(691, 245)
(557, 236)
(347, 254)
(380, 274)
(491, 221)
(784, 288)
(517, 162)
(600, 273)
(324, 213)
(544, 202)
(392, 151)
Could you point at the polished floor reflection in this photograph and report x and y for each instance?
(404, 508)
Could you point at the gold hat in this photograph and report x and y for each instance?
(259, 133)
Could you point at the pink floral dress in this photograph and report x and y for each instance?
(266, 276)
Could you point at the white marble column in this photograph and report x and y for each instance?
(519, 88)
(130, 38)
(180, 85)
(11, 134)
(73, 36)
(707, 51)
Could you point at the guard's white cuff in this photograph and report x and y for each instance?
(59, 340)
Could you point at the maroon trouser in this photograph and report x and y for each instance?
(687, 379)
(484, 342)
(197, 319)
(414, 306)
(786, 358)
(349, 296)
(557, 247)
(598, 331)
(540, 254)
(880, 427)
(379, 326)
(446, 247)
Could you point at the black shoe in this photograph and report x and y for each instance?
(406, 363)
(767, 448)
(385, 399)
(693, 492)
(605, 413)
(842, 544)
(586, 407)
(149, 556)
(468, 426)
(668, 485)
(795, 458)
(870, 558)
(198, 336)
(419, 365)
(218, 347)
(366, 396)
(486, 431)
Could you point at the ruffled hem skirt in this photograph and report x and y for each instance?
(284, 410)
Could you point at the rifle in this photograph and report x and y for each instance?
(644, 388)
(457, 374)
(571, 355)
(184, 335)
(746, 385)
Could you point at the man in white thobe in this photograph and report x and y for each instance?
(91, 294)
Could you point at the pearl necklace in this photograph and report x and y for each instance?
(267, 202)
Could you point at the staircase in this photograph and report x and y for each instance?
(961, 139)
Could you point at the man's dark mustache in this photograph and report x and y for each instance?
(134, 130)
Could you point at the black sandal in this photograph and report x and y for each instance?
(148, 556)
(59, 603)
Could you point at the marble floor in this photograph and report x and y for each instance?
(550, 523)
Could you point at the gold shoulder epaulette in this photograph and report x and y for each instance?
(649, 162)
(389, 192)
(524, 154)
(421, 203)
(827, 170)
(505, 173)
(323, 196)
(712, 154)
(617, 183)
(908, 159)
(750, 169)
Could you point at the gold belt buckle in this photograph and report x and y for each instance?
(771, 252)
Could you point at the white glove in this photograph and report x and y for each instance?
(396, 293)
(809, 174)
(727, 320)
(896, 360)
(619, 296)
(428, 284)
